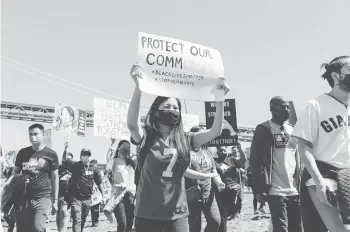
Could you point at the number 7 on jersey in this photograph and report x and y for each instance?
(170, 151)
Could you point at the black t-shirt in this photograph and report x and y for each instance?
(65, 176)
(230, 174)
(38, 165)
(82, 180)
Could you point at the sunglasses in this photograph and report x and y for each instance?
(86, 154)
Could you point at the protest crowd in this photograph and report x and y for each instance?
(298, 172)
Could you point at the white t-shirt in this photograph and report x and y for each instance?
(284, 161)
(324, 123)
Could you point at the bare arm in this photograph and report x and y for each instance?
(305, 151)
(217, 180)
(111, 150)
(189, 173)
(100, 189)
(243, 157)
(204, 137)
(133, 116)
(55, 184)
(134, 108)
(322, 186)
(109, 154)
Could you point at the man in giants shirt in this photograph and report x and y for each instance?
(323, 136)
(40, 163)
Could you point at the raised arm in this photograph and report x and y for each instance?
(110, 151)
(67, 163)
(64, 155)
(134, 108)
(204, 137)
(243, 156)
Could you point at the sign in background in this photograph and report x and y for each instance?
(69, 120)
(189, 121)
(110, 119)
(47, 138)
(176, 68)
(229, 135)
(81, 123)
(96, 196)
(292, 115)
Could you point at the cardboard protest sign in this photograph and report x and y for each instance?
(9, 159)
(47, 138)
(110, 119)
(106, 187)
(96, 196)
(189, 121)
(81, 123)
(176, 68)
(229, 134)
(292, 115)
(68, 118)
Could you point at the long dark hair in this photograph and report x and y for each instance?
(128, 159)
(177, 134)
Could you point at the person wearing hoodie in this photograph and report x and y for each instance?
(276, 168)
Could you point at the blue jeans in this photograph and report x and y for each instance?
(31, 215)
(95, 213)
(80, 211)
(211, 212)
(285, 213)
(124, 213)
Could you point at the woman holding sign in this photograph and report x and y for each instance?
(163, 160)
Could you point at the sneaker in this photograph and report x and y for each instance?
(256, 212)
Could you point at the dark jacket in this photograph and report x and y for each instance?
(14, 191)
(261, 159)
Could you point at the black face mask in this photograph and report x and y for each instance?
(124, 151)
(221, 157)
(282, 117)
(345, 83)
(169, 117)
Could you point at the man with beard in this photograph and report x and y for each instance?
(40, 163)
(275, 168)
(81, 185)
(323, 137)
(228, 168)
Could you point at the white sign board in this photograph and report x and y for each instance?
(176, 68)
(96, 196)
(110, 119)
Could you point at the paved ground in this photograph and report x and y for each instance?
(247, 223)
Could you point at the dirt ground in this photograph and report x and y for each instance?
(247, 223)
